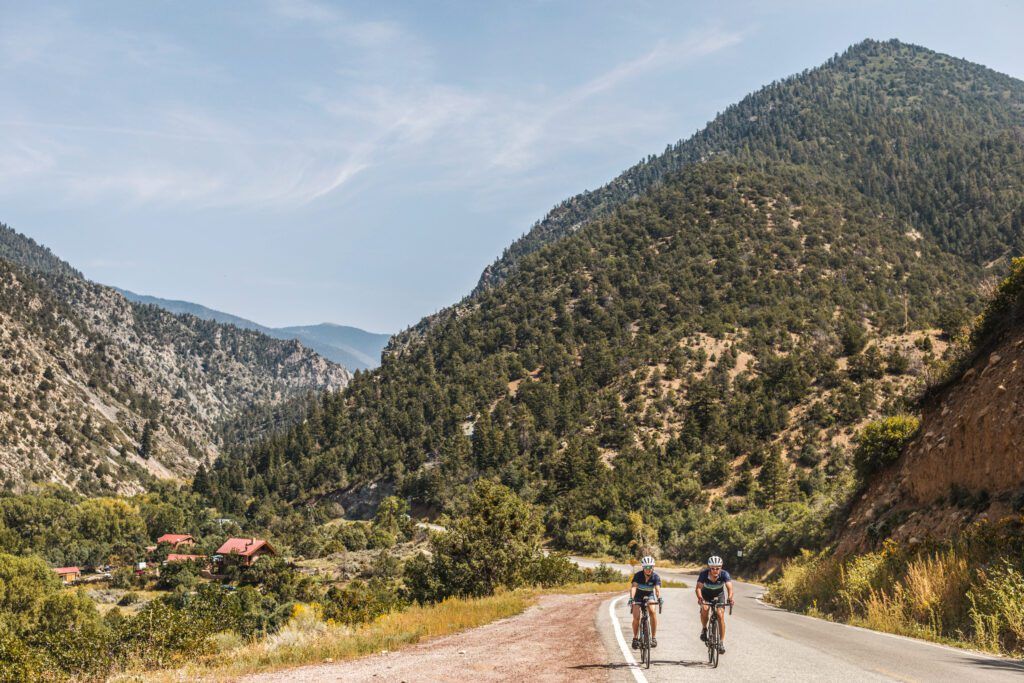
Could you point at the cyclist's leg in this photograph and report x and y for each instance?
(636, 620)
(652, 611)
(705, 612)
(721, 624)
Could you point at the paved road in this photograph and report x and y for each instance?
(768, 644)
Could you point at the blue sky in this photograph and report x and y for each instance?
(298, 161)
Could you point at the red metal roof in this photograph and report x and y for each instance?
(174, 539)
(68, 570)
(243, 546)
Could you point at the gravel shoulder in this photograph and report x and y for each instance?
(555, 640)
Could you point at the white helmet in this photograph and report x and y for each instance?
(647, 561)
(714, 561)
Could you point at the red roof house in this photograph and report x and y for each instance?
(176, 540)
(247, 550)
(68, 574)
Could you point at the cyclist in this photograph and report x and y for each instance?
(645, 584)
(710, 584)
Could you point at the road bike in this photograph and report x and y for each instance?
(644, 636)
(715, 628)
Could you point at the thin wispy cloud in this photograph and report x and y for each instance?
(394, 148)
(374, 102)
(529, 138)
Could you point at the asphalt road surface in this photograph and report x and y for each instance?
(768, 644)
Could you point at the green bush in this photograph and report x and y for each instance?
(880, 443)
(553, 570)
(360, 601)
(491, 544)
(590, 535)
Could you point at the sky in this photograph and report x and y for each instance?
(302, 161)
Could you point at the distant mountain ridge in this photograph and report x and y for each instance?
(102, 394)
(351, 347)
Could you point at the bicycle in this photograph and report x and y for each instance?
(644, 635)
(714, 629)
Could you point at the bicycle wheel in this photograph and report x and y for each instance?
(646, 644)
(713, 644)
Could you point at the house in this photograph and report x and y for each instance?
(245, 550)
(176, 540)
(68, 574)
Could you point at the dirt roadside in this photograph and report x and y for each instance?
(555, 640)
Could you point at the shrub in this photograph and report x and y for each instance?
(491, 544)
(361, 601)
(880, 443)
(997, 608)
(590, 535)
(553, 570)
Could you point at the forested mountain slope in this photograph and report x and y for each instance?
(100, 394)
(927, 113)
(893, 119)
(965, 462)
(711, 343)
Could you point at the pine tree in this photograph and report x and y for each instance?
(147, 444)
(773, 480)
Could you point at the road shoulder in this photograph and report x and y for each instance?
(555, 640)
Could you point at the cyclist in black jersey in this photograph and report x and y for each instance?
(645, 585)
(710, 586)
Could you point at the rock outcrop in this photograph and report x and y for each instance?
(100, 394)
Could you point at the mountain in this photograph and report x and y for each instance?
(927, 112)
(102, 394)
(685, 356)
(964, 464)
(351, 347)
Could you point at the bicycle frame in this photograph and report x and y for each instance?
(644, 634)
(714, 627)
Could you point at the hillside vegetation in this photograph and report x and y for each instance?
(934, 546)
(713, 342)
(102, 394)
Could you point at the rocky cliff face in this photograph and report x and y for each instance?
(100, 394)
(966, 463)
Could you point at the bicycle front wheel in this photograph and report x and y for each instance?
(646, 644)
(713, 644)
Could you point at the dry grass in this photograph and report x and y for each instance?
(306, 639)
(969, 594)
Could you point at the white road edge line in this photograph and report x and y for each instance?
(633, 666)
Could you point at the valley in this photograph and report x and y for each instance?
(793, 339)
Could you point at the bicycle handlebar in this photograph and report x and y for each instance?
(718, 604)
